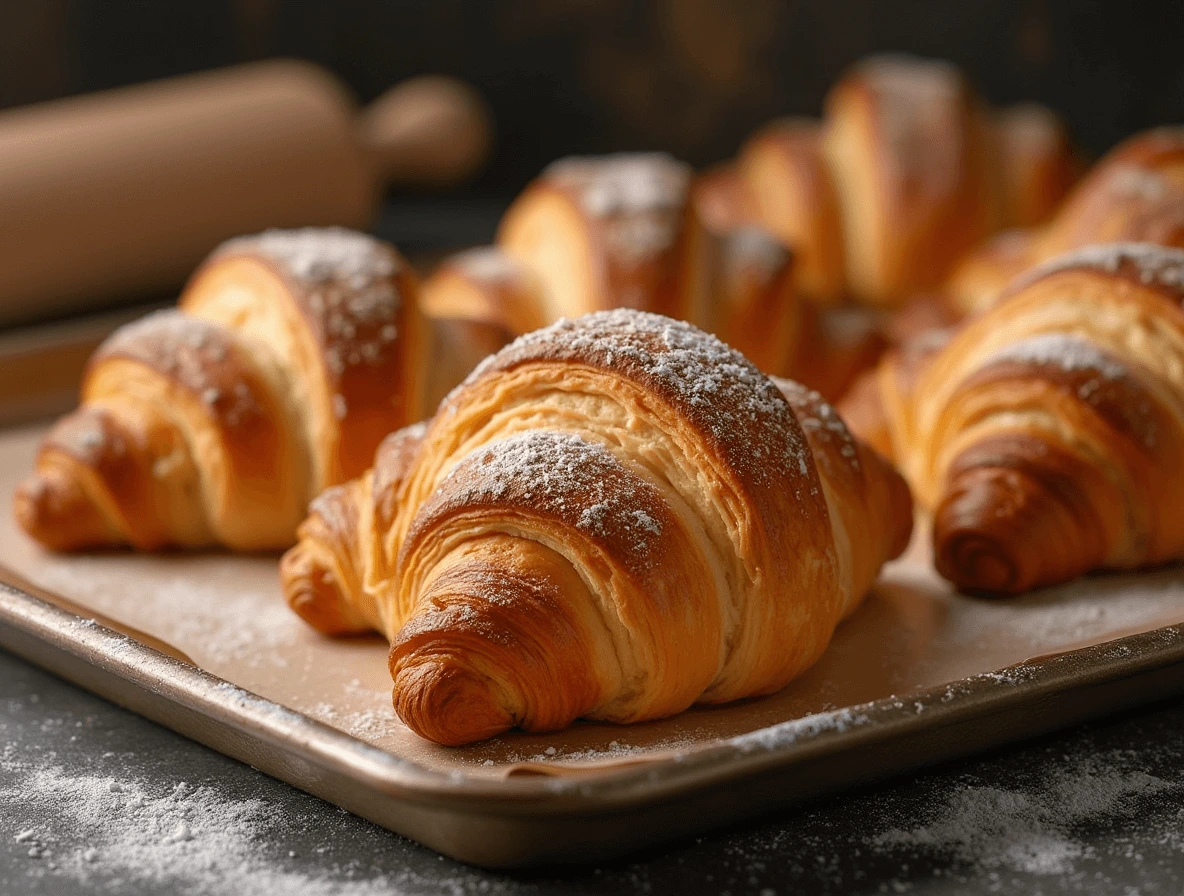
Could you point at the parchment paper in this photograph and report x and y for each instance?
(227, 615)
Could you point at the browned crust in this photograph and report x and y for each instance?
(54, 507)
(635, 207)
(795, 145)
(620, 513)
(1015, 515)
(743, 419)
(199, 358)
(1038, 163)
(365, 320)
(1156, 268)
(486, 286)
(929, 137)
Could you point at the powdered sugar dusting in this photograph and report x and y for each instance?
(348, 288)
(193, 352)
(322, 254)
(1151, 264)
(824, 428)
(738, 408)
(638, 196)
(623, 183)
(564, 475)
(1069, 353)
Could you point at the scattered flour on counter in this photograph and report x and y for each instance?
(113, 834)
(992, 829)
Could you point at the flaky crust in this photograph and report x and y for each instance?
(291, 355)
(612, 518)
(1047, 436)
(912, 155)
(1134, 194)
(785, 170)
(602, 232)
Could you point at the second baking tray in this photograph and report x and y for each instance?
(204, 644)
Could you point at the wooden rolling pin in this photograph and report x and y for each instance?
(120, 194)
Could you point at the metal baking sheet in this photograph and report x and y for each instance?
(203, 644)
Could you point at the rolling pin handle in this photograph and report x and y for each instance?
(427, 131)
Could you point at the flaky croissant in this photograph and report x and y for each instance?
(613, 518)
(293, 353)
(639, 230)
(1046, 435)
(1134, 194)
(906, 171)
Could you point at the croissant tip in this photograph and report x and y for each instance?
(314, 592)
(977, 563)
(448, 703)
(1004, 531)
(54, 510)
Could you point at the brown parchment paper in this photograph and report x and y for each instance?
(227, 615)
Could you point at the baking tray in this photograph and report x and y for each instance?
(202, 644)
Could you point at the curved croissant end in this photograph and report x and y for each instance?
(613, 518)
(324, 577)
(1017, 514)
(1046, 435)
(293, 355)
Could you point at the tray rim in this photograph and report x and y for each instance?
(601, 791)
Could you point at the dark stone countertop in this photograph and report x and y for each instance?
(95, 799)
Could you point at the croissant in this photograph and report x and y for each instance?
(1038, 164)
(292, 354)
(602, 232)
(638, 230)
(906, 172)
(794, 195)
(476, 301)
(1045, 436)
(612, 518)
(1134, 194)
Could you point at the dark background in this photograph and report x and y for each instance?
(689, 76)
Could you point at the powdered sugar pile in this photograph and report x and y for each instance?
(997, 829)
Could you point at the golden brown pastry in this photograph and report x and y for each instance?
(738, 278)
(292, 354)
(612, 518)
(906, 172)
(910, 149)
(1046, 435)
(1037, 163)
(476, 301)
(1134, 194)
(794, 196)
(602, 232)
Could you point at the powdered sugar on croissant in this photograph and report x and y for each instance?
(292, 354)
(614, 517)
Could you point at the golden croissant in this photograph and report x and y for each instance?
(639, 230)
(293, 353)
(612, 518)
(1134, 194)
(1045, 435)
(907, 171)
